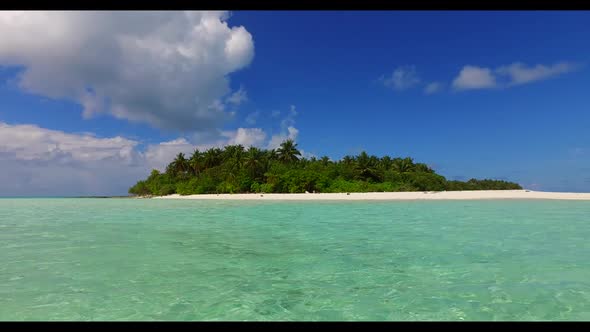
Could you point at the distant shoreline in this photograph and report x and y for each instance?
(103, 197)
(395, 196)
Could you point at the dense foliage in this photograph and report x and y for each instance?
(235, 169)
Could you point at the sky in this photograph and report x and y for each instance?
(90, 102)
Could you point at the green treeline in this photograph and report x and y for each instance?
(235, 169)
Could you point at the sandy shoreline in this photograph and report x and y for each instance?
(440, 195)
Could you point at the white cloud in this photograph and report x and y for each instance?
(288, 130)
(246, 137)
(472, 77)
(238, 97)
(433, 87)
(520, 74)
(276, 140)
(169, 69)
(158, 156)
(29, 142)
(402, 78)
(40, 161)
(289, 120)
(293, 132)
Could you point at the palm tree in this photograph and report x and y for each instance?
(304, 162)
(233, 155)
(421, 167)
(180, 165)
(234, 151)
(374, 160)
(212, 158)
(365, 166)
(268, 156)
(403, 165)
(288, 152)
(385, 162)
(325, 160)
(253, 161)
(271, 154)
(347, 160)
(196, 162)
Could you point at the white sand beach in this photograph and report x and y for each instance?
(432, 195)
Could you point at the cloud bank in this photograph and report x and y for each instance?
(40, 161)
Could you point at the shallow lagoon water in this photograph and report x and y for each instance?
(141, 259)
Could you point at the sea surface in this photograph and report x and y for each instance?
(142, 259)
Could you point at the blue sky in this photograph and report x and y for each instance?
(508, 94)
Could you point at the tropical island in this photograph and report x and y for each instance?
(235, 169)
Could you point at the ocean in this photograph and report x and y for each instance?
(185, 260)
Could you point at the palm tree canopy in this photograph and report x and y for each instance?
(365, 166)
(403, 165)
(288, 152)
(212, 157)
(234, 169)
(253, 157)
(180, 165)
(195, 161)
(421, 167)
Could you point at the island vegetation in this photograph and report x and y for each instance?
(235, 169)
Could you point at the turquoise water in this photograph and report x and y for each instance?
(133, 259)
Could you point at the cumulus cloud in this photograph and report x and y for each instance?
(433, 87)
(29, 142)
(519, 73)
(169, 69)
(40, 161)
(276, 140)
(473, 77)
(157, 156)
(402, 78)
(246, 137)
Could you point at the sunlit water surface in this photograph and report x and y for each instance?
(134, 259)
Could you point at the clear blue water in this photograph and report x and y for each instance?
(133, 259)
